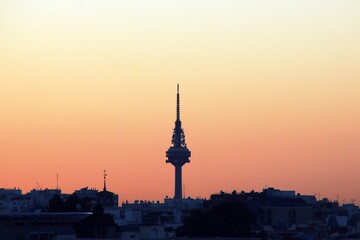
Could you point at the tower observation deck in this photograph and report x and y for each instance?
(178, 154)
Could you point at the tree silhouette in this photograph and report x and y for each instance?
(56, 204)
(97, 225)
(223, 220)
(72, 203)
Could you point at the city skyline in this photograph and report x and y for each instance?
(269, 95)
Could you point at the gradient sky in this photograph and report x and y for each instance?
(270, 95)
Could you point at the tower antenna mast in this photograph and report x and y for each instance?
(105, 175)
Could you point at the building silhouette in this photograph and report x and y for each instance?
(106, 198)
(178, 154)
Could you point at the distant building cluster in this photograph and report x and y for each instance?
(287, 215)
(278, 215)
(51, 214)
(12, 201)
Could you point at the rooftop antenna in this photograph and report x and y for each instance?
(57, 181)
(105, 174)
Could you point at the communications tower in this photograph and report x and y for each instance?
(178, 154)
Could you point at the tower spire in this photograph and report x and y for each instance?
(105, 174)
(178, 104)
(178, 138)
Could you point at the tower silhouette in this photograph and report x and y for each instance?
(178, 154)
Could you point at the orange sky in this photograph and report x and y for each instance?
(269, 95)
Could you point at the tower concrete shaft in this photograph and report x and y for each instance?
(178, 183)
(178, 154)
